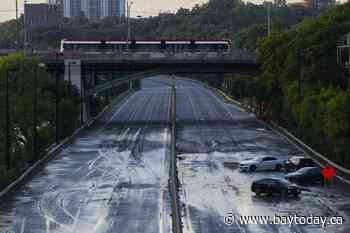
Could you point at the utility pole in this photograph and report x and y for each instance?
(25, 36)
(300, 78)
(128, 6)
(57, 114)
(268, 18)
(17, 27)
(7, 122)
(35, 117)
(82, 86)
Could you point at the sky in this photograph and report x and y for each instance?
(140, 7)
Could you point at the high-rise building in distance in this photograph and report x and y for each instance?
(42, 14)
(93, 9)
(319, 4)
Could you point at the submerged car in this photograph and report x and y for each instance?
(306, 175)
(296, 162)
(275, 186)
(261, 164)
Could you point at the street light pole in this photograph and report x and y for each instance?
(7, 122)
(25, 44)
(268, 19)
(300, 78)
(82, 86)
(17, 27)
(128, 6)
(57, 107)
(35, 117)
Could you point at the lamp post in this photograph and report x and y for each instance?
(301, 56)
(7, 122)
(128, 6)
(25, 36)
(57, 113)
(35, 110)
(268, 14)
(134, 27)
(17, 27)
(7, 119)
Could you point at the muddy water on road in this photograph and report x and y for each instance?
(211, 185)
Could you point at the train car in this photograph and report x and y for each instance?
(144, 46)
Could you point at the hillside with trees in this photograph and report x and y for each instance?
(242, 22)
(21, 72)
(301, 86)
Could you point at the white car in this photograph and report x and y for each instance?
(263, 163)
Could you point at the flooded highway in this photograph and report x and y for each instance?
(114, 177)
(212, 187)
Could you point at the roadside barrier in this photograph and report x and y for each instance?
(342, 173)
(53, 150)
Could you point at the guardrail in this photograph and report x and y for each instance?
(53, 149)
(173, 174)
(343, 173)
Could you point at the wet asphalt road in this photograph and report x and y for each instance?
(212, 138)
(114, 178)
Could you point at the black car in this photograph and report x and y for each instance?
(296, 162)
(275, 186)
(306, 175)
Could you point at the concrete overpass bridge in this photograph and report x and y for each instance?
(94, 74)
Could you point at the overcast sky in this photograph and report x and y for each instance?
(140, 7)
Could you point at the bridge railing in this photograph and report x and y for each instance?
(233, 55)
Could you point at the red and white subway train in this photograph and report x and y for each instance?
(144, 46)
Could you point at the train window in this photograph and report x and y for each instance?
(170, 47)
(147, 47)
(163, 45)
(85, 47)
(103, 45)
(133, 44)
(89, 47)
(68, 46)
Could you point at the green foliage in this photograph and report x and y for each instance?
(337, 115)
(302, 62)
(6, 176)
(248, 37)
(21, 71)
(301, 85)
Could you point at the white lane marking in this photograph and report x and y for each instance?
(187, 210)
(220, 102)
(121, 107)
(23, 225)
(163, 184)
